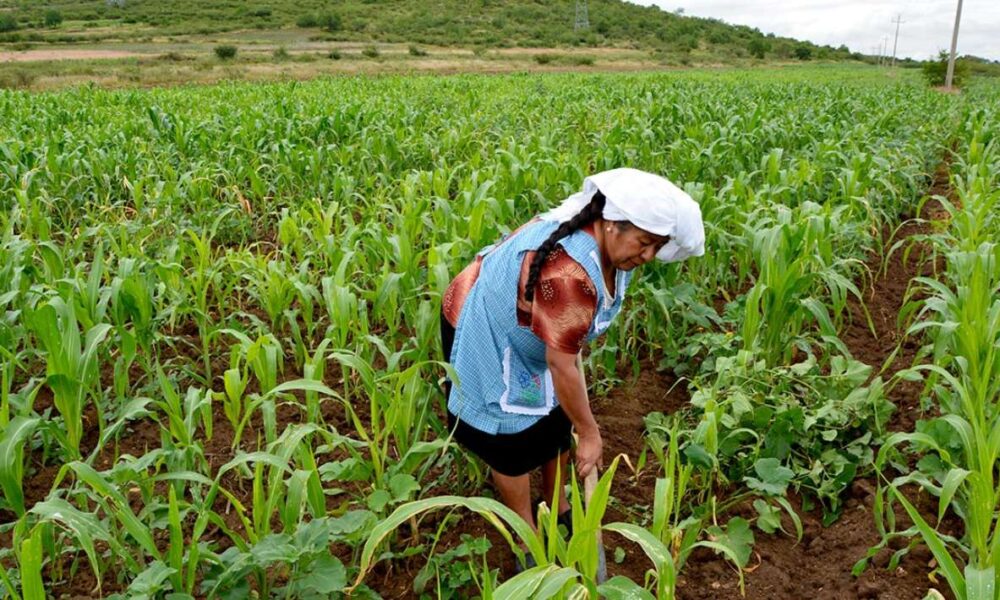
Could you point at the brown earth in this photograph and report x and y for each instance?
(64, 54)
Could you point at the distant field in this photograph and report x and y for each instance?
(271, 57)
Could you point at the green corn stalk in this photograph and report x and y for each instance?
(15, 437)
(185, 416)
(71, 364)
(203, 276)
(271, 285)
(962, 318)
(263, 356)
(30, 564)
(234, 384)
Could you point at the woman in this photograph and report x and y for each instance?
(514, 322)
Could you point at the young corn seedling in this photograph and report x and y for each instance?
(271, 285)
(71, 365)
(964, 324)
(184, 418)
(14, 438)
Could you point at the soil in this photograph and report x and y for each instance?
(64, 54)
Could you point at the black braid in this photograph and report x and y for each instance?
(586, 216)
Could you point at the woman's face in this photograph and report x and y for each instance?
(627, 246)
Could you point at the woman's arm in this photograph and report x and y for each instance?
(571, 390)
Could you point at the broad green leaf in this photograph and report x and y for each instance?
(326, 575)
(772, 478)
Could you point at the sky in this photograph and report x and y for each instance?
(862, 24)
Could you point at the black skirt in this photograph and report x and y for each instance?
(510, 454)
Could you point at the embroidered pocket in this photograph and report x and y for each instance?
(526, 391)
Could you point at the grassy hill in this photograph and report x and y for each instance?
(466, 23)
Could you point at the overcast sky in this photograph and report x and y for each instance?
(861, 24)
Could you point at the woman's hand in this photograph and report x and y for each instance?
(571, 391)
(589, 452)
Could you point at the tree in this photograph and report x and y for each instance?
(803, 52)
(53, 18)
(758, 47)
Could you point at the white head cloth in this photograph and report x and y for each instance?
(649, 202)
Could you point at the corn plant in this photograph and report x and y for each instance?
(15, 437)
(795, 258)
(962, 320)
(271, 286)
(71, 365)
(183, 420)
(579, 554)
(309, 243)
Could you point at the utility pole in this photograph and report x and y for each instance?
(885, 50)
(582, 17)
(897, 21)
(954, 45)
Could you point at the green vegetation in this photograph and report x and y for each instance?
(8, 22)
(219, 328)
(960, 317)
(935, 71)
(53, 18)
(225, 52)
(523, 23)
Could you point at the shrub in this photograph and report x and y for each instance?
(174, 56)
(260, 12)
(580, 60)
(371, 52)
(544, 59)
(935, 71)
(307, 21)
(802, 52)
(280, 53)
(8, 23)
(225, 52)
(17, 79)
(334, 54)
(53, 18)
(416, 51)
(330, 22)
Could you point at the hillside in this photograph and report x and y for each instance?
(479, 23)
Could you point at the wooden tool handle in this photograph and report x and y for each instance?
(589, 485)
